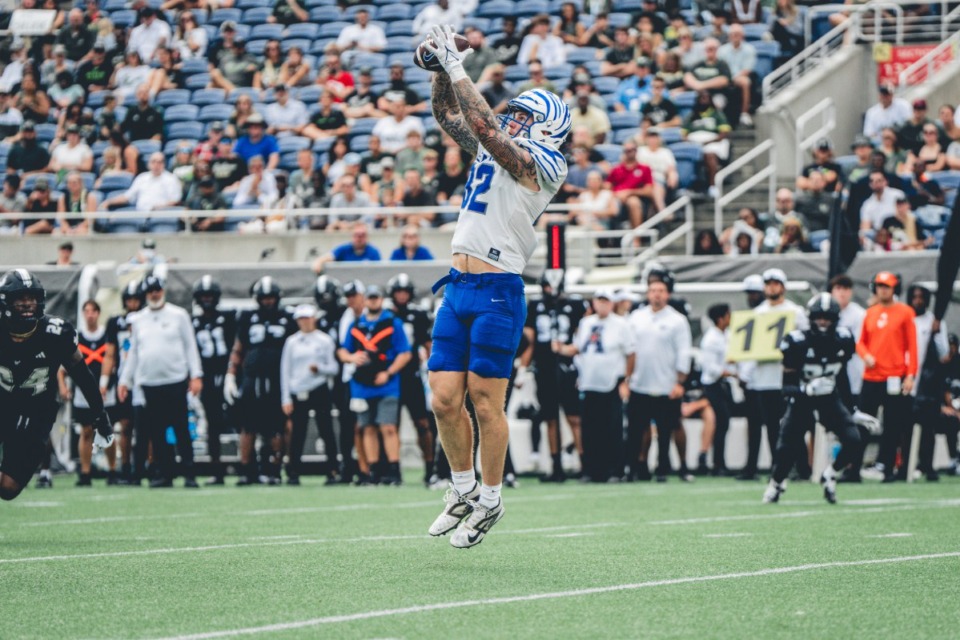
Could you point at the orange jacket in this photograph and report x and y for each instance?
(890, 336)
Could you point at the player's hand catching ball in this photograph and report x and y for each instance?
(442, 43)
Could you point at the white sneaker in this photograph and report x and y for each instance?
(872, 473)
(746, 120)
(534, 461)
(828, 479)
(712, 192)
(774, 491)
(458, 507)
(476, 526)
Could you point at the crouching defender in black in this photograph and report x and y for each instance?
(812, 362)
(33, 347)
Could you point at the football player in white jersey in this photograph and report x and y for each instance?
(517, 171)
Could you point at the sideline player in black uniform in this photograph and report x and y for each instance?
(216, 332)
(417, 324)
(552, 321)
(33, 347)
(92, 343)
(812, 361)
(257, 349)
(118, 343)
(329, 297)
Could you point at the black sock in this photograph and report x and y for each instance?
(428, 469)
(557, 465)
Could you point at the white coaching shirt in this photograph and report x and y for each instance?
(663, 342)
(604, 344)
(713, 355)
(768, 376)
(851, 318)
(163, 349)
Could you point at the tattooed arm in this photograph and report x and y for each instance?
(446, 110)
(483, 125)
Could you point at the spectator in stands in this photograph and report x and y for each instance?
(362, 103)
(189, 38)
(597, 206)
(922, 189)
(659, 111)
(706, 125)
(902, 226)
(910, 134)
(307, 184)
(931, 153)
(370, 165)
(862, 148)
(482, 56)
(393, 131)
(255, 142)
(268, 74)
(52, 66)
(537, 79)
(399, 86)
(579, 167)
(126, 152)
(453, 178)
(815, 204)
(258, 188)
(295, 72)
(569, 28)
(167, 74)
(507, 46)
(357, 250)
(207, 149)
(387, 190)
(412, 155)
(712, 74)
(73, 203)
(632, 183)
(94, 73)
(793, 237)
(10, 117)
(589, 116)
(746, 11)
(410, 247)
(824, 165)
(440, 13)
(748, 224)
(786, 28)
(581, 138)
(33, 102)
(72, 155)
(143, 121)
(286, 116)
(11, 201)
(598, 35)
(893, 154)
(65, 92)
(236, 68)
(26, 156)
(76, 38)
(889, 112)
(707, 244)
(540, 44)
(223, 45)
(243, 109)
(618, 59)
(345, 195)
(39, 201)
(663, 164)
(129, 75)
(77, 116)
(333, 76)
(207, 198)
(151, 34)
(689, 51)
(580, 79)
(156, 189)
(948, 124)
(288, 12)
(334, 167)
(497, 91)
(634, 91)
(953, 156)
(362, 36)
(414, 195)
(741, 58)
(881, 204)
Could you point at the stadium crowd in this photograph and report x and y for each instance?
(358, 354)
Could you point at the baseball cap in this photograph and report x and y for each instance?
(886, 87)
(366, 71)
(255, 118)
(920, 104)
(387, 162)
(775, 275)
(149, 243)
(280, 87)
(304, 311)
(352, 158)
(753, 284)
(606, 293)
(228, 25)
(644, 61)
(352, 288)
(902, 199)
(60, 49)
(152, 283)
(28, 125)
(373, 291)
(396, 63)
(207, 181)
(42, 184)
(824, 144)
(861, 140)
(73, 129)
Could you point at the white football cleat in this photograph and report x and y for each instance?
(458, 507)
(476, 526)
(774, 491)
(829, 481)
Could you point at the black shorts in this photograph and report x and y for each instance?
(122, 411)
(24, 438)
(555, 389)
(85, 416)
(413, 396)
(260, 410)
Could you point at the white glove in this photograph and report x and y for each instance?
(820, 387)
(100, 443)
(441, 43)
(867, 421)
(230, 391)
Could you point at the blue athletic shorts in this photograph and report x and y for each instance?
(479, 323)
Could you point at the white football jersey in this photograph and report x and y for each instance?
(497, 217)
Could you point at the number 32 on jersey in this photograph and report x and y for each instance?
(757, 336)
(478, 184)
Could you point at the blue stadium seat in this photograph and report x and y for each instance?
(624, 120)
(214, 112)
(320, 3)
(302, 43)
(593, 67)
(392, 12)
(529, 8)
(172, 97)
(243, 91)
(581, 55)
(197, 81)
(767, 54)
(496, 9)
(351, 11)
(366, 59)
(180, 113)
(171, 146)
(414, 75)
(267, 31)
(88, 178)
(755, 32)
(163, 225)
(359, 143)
(290, 144)
(610, 152)
(560, 71)
(204, 97)
(114, 5)
(256, 47)
(684, 102)
(288, 162)
(846, 163)
(193, 66)
(28, 182)
(622, 135)
(146, 147)
(123, 18)
(670, 135)
(219, 16)
(116, 182)
(620, 20)
(398, 44)
(257, 15)
(627, 6)
(252, 4)
(689, 156)
(309, 94)
(95, 98)
(606, 84)
(363, 126)
(516, 73)
(46, 132)
(332, 29)
(320, 15)
(323, 145)
(305, 30)
(400, 28)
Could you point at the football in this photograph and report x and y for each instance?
(426, 60)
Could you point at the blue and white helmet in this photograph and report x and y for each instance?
(551, 117)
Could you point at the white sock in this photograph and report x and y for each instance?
(829, 473)
(490, 496)
(45, 474)
(463, 481)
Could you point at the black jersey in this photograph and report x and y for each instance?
(811, 355)
(417, 325)
(215, 335)
(28, 369)
(262, 336)
(329, 323)
(119, 329)
(550, 320)
(93, 347)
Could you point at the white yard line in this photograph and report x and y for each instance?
(937, 504)
(892, 535)
(727, 535)
(576, 593)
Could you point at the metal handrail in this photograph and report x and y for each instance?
(648, 229)
(924, 68)
(947, 20)
(684, 230)
(827, 111)
(876, 6)
(774, 81)
(768, 173)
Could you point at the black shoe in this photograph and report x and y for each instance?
(702, 468)
(44, 482)
(510, 481)
(933, 476)
(889, 477)
(215, 481)
(332, 480)
(556, 476)
(190, 483)
(746, 476)
(84, 480)
(246, 481)
(112, 478)
(661, 478)
(850, 476)
(293, 481)
(613, 480)
(365, 480)
(391, 481)
(161, 483)
(643, 473)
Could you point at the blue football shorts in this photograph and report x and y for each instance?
(479, 323)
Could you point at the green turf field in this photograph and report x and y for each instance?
(613, 561)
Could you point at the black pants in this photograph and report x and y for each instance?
(764, 408)
(213, 408)
(641, 410)
(602, 433)
(799, 419)
(928, 416)
(347, 422)
(717, 397)
(318, 400)
(897, 422)
(166, 406)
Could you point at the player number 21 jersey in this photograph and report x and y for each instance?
(497, 217)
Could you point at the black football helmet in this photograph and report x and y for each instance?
(131, 291)
(206, 293)
(553, 280)
(266, 287)
(151, 283)
(326, 291)
(823, 306)
(16, 284)
(658, 273)
(400, 282)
